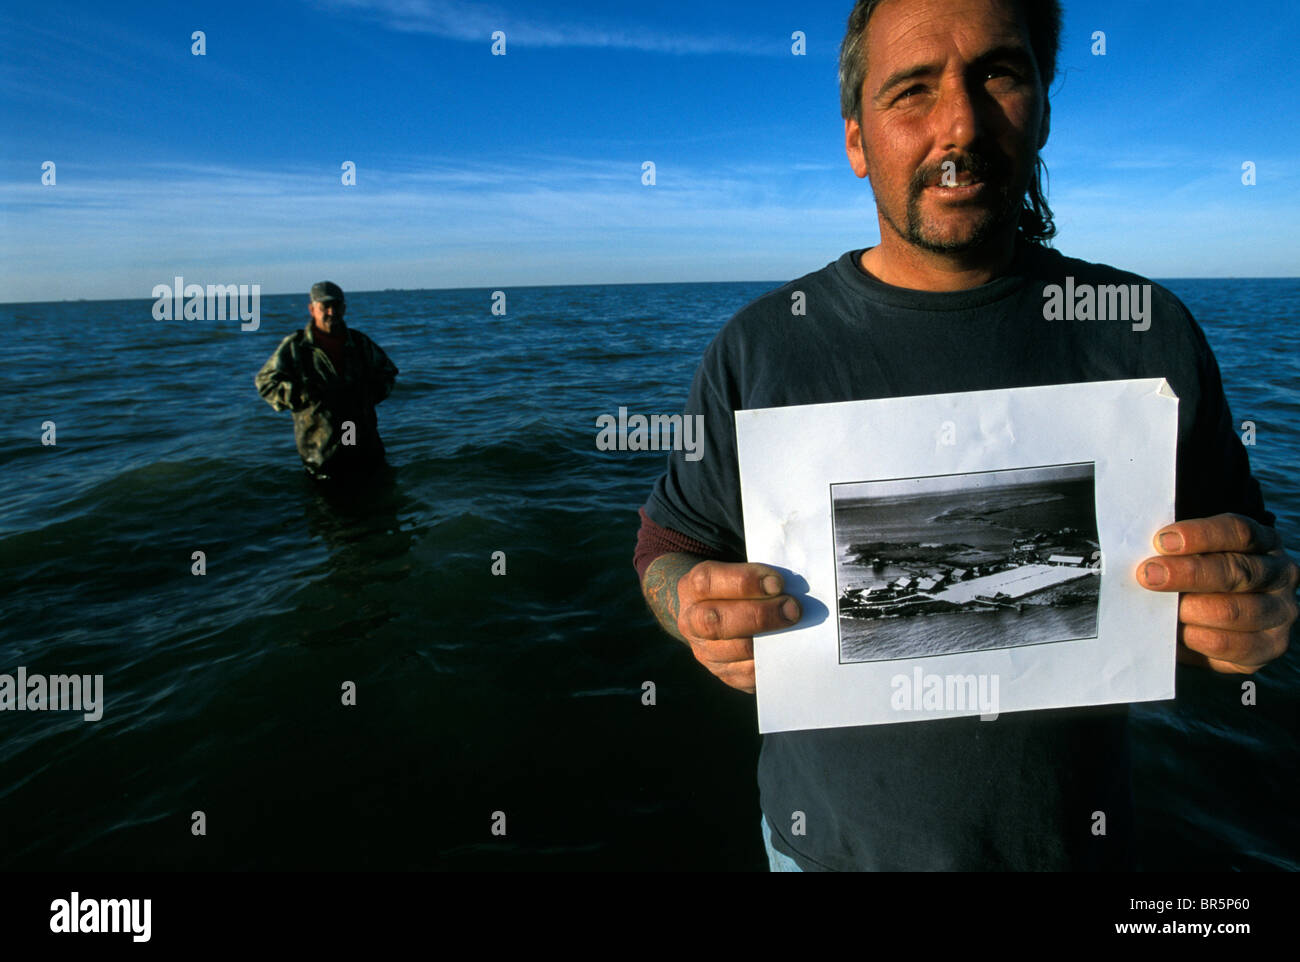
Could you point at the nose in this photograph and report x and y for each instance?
(957, 119)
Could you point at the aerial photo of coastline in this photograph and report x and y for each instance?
(998, 559)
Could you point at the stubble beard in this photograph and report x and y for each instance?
(1000, 218)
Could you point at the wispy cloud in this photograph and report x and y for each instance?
(89, 55)
(458, 20)
(436, 221)
(449, 223)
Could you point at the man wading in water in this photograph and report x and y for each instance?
(330, 376)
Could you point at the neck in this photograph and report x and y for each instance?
(900, 264)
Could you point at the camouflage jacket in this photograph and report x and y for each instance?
(300, 377)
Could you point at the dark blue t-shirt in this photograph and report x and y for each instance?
(1021, 792)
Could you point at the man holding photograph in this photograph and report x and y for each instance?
(945, 106)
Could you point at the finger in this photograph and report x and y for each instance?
(735, 674)
(1244, 651)
(1189, 657)
(1223, 532)
(728, 580)
(1239, 611)
(723, 650)
(1222, 571)
(737, 619)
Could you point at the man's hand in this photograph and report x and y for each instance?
(1238, 586)
(301, 399)
(717, 607)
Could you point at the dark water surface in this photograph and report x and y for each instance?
(475, 693)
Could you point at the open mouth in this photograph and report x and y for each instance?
(967, 187)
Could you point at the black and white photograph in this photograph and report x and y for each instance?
(966, 562)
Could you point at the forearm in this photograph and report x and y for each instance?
(279, 382)
(275, 390)
(287, 394)
(659, 586)
(662, 556)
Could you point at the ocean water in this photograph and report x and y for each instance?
(476, 694)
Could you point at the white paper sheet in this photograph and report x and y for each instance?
(990, 490)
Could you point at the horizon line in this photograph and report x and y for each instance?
(413, 290)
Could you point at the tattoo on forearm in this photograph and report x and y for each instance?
(660, 588)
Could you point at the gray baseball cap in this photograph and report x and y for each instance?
(326, 291)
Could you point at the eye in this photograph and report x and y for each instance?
(1003, 72)
(915, 88)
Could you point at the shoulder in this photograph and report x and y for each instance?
(1166, 323)
(788, 300)
(291, 344)
(362, 340)
(764, 323)
(1057, 268)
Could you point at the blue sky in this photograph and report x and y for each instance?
(476, 170)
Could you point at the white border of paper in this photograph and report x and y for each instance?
(789, 457)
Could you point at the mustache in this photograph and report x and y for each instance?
(980, 166)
